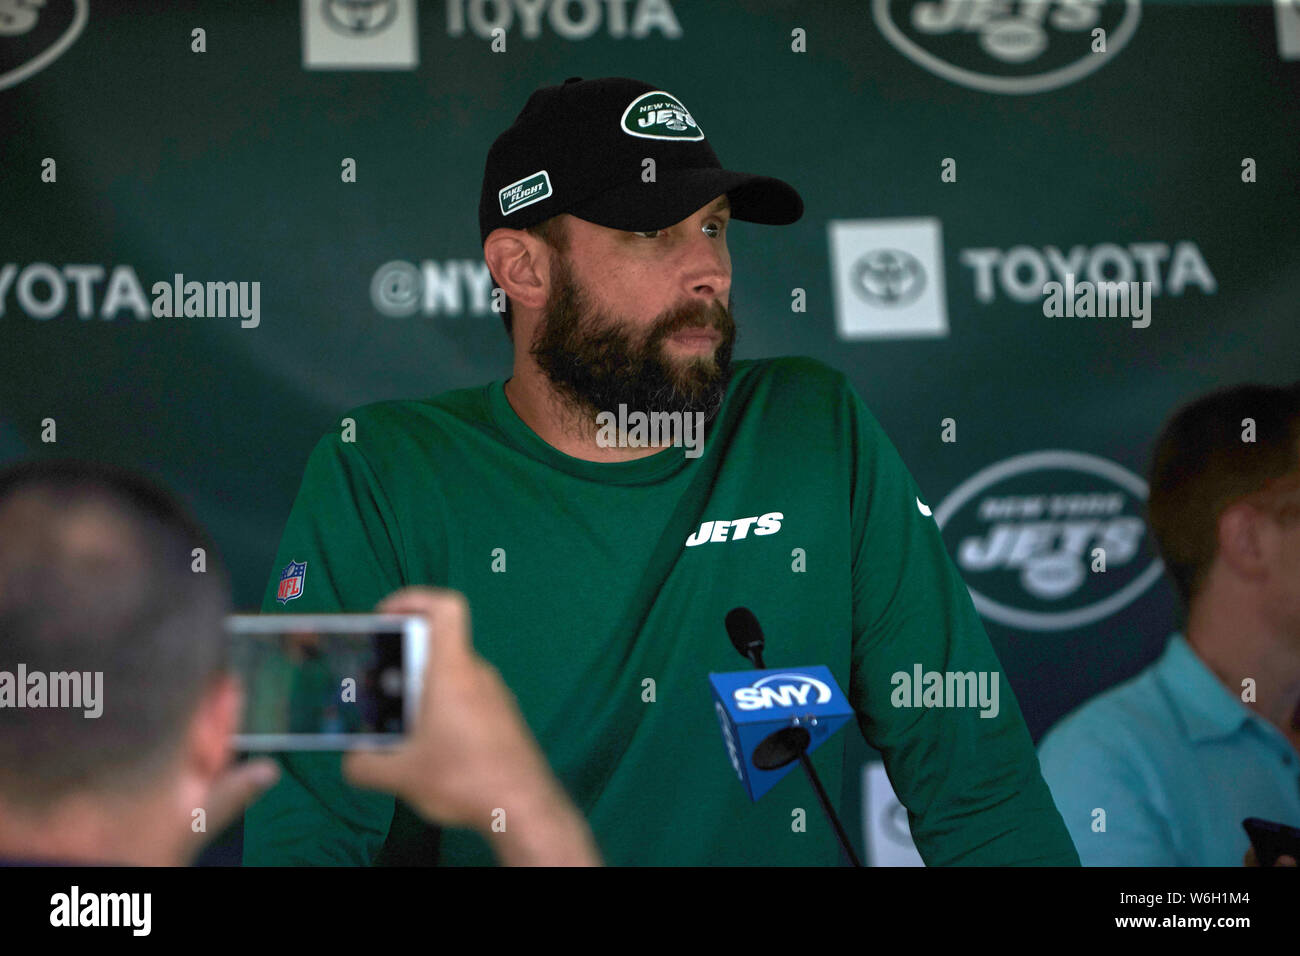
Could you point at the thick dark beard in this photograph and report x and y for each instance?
(595, 365)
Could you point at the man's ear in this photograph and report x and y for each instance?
(518, 263)
(1239, 542)
(216, 720)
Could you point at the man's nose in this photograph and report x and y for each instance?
(709, 275)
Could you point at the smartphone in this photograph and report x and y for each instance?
(327, 681)
(1272, 840)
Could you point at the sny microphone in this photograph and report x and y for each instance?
(771, 718)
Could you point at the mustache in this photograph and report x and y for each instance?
(716, 317)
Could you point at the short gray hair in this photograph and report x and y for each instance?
(75, 595)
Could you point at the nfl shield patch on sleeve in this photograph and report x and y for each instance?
(291, 581)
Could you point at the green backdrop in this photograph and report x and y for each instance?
(225, 165)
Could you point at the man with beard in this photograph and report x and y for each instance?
(599, 571)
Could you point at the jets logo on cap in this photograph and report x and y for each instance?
(659, 115)
(524, 192)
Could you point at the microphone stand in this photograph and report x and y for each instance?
(755, 654)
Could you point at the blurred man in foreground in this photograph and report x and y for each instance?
(119, 730)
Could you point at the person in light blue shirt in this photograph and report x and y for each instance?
(1162, 769)
(1176, 761)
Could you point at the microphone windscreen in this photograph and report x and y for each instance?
(743, 629)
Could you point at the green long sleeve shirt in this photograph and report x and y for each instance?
(599, 590)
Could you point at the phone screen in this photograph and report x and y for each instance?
(324, 682)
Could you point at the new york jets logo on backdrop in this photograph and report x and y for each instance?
(659, 115)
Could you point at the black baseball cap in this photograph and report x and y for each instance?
(580, 148)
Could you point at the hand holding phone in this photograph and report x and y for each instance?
(1271, 844)
(470, 759)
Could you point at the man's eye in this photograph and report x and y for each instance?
(711, 229)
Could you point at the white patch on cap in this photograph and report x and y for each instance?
(524, 192)
(659, 115)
